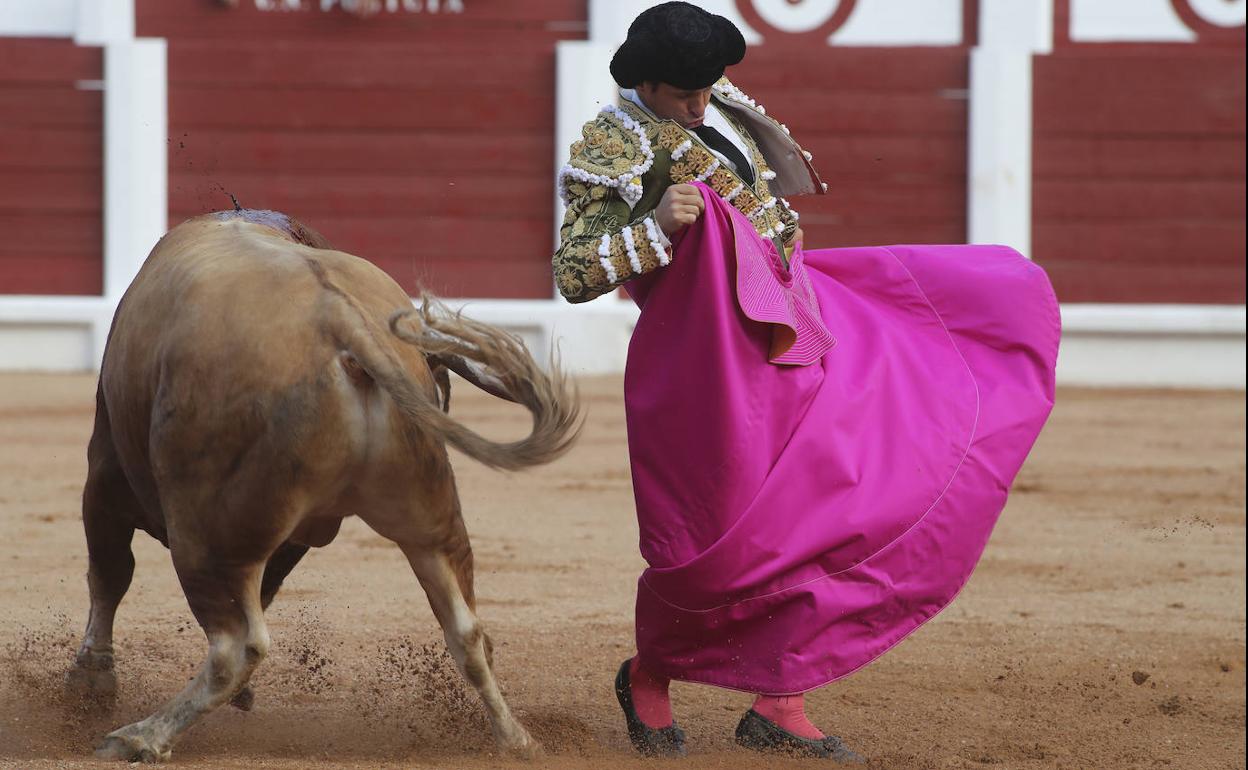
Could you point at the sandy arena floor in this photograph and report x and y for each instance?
(1104, 627)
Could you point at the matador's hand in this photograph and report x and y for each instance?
(680, 206)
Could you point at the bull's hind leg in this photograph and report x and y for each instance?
(226, 602)
(446, 577)
(108, 508)
(435, 543)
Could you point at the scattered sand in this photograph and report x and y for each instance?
(1103, 629)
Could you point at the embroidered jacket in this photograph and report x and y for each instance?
(626, 159)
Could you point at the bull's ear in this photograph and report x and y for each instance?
(476, 373)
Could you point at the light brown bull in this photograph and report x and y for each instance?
(257, 387)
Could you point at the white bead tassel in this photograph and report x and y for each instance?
(652, 232)
(604, 259)
(631, 193)
(633, 260)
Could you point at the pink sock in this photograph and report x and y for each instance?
(650, 699)
(788, 711)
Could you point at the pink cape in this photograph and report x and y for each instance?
(819, 454)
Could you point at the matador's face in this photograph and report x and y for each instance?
(686, 107)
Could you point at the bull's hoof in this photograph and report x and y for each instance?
(92, 683)
(244, 699)
(523, 746)
(129, 745)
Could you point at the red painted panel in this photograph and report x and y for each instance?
(867, 157)
(1139, 158)
(51, 62)
(421, 141)
(346, 63)
(1076, 280)
(448, 255)
(52, 273)
(768, 68)
(376, 107)
(1138, 172)
(49, 190)
(37, 231)
(493, 20)
(1178, 243)
(1061, 23)
(1129, 200)
(26, 147)
(407, 235)
(363, 195)
(821, 235)
(860, 112)
(47, 252)
(881, 201)
(448, 155)
(51, 184)
(53, 106)
(446, 276)
(1142, 94)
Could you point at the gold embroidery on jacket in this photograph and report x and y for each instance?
(698, 163)
(595, 254)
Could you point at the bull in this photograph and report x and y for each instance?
(257, 387)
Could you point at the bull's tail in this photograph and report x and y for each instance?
(495, 360)
(500, 363)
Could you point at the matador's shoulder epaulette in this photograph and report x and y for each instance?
(613, 151)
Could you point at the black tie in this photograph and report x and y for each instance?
(721, 144)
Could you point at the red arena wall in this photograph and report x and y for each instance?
(1138, 169)
(422, 141)
(51, 167)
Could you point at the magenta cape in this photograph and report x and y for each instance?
(819, 455)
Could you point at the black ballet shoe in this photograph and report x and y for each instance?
(650, 741)
(759, 733)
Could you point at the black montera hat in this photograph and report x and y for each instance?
(678, 44)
